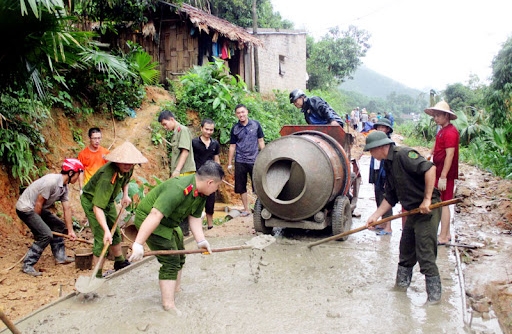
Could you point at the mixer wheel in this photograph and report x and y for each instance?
(258, 221)
(341, 219)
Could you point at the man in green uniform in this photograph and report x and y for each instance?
(410, 180)
(182, 154)
(98, 200)
(158, 218)
(182, 157)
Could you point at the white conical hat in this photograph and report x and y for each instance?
(441, 106)
(126, 153)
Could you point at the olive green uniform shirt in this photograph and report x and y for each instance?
(405, 177)
(181, 139)
(105, 185)
(176, 199)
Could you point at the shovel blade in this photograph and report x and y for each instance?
(86, 284)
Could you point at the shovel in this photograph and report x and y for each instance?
(57, 234)
(86, 284)
(378, 222)
(8, 323)
(258, 242)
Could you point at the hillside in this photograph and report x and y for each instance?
(372, 84)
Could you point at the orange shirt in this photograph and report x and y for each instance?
(92, 161)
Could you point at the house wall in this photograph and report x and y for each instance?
(282, 60)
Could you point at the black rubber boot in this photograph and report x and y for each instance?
(185, 228)
(403, 278)
(31, 258)
(118, 265)
(433, 285)
(59, 251)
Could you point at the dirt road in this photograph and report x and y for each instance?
(338, 287)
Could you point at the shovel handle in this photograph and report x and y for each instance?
(57, 234)
(105, 247)
(194, 251)
(8, 323)
(378, 222)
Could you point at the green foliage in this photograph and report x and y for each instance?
(137, 191)
(336, 56)
(20, 139)
(499, 95)
(239, 12)
(408, 130)
(213, 93)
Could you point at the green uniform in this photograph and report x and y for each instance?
(101, 191)
(405, 182)
(181, 139)
(176, 199)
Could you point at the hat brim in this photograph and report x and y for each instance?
(378, 143)
(430, 112)
(383, 124)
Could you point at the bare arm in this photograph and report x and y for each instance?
(126, 200)
(382, 209)
(38, 206)
(231, 154)
(68, 220)
(450, 153)
(181, 162)
(196, 227)
(261, 143)
(216, 159)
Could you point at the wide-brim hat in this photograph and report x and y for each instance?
(376, 139)
(384, 122)
(126, 153)
(441, 106)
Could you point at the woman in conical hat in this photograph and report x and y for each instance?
(98, 199)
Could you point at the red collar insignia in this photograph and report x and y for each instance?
(196, 193)
(189, 189)
(178, 129)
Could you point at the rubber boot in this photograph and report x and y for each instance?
(31, 258)
(403, 278)
(433, 285)
(59, 251)
(118, 265)
(185, 228)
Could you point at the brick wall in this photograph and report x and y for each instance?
(282, 60)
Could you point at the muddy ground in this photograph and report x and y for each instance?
(483, 219)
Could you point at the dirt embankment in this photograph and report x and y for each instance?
(486, 213)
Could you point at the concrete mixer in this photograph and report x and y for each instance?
(306, 179)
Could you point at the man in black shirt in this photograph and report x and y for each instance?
(206, 148)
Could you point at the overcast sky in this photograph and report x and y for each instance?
(423, 44)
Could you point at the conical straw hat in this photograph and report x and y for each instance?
(126, 153)
(441, 106)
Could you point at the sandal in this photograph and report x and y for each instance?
(382, 232)
(244, 214)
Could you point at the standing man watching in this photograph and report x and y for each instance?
(32, 208)
(315, 109)
(92, 157)
(158, 217)
(445, 155)
(206, 148)
(182, 155)
(246, 138)
(410, 180)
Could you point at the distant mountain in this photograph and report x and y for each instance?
(372, 84)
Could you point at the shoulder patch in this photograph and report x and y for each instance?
(413, 155)
(188, 189)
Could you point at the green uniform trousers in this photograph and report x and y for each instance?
(419, 242)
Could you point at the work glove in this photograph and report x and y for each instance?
(441, 184)
(230, 168)
(204, 244)
(137, 252)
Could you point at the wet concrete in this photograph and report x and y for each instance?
(337, 287)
